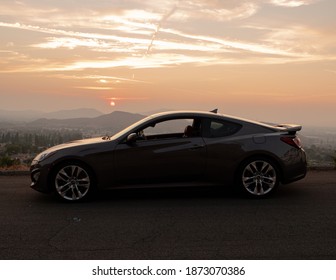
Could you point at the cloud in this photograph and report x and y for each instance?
(99, 41)
(162, 20)
(278, 47)
(94, 88)
(291, 3)
(198, 32)
(70, 43)
(101, 79)
(220, 10)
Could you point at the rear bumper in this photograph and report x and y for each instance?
(295, 168)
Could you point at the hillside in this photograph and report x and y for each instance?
(30, 115)
(113, 122)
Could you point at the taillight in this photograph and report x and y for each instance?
(293, 141)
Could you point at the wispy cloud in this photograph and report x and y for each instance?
(94, 88)
(199, 49)
(292, 3)
(102, 79)
(161, 21)
(124, 37)
(220, 10)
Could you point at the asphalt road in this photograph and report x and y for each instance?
(298, 223)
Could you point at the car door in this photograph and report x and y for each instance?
(223, 148)
(161, 157)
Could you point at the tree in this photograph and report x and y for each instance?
(6, 161)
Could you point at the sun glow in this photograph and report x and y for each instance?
(141, 56)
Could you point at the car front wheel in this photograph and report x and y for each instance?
(259, 177)
(73, 182)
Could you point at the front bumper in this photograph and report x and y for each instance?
(39, 178)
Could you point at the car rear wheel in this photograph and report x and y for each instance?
(259, 177)
(73, 182)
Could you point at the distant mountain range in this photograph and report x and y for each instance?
(93, 121)
(87, 120)
(113, 122)
(30, 115)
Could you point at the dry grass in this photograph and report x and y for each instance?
(15, 168)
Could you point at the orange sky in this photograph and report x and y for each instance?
(268, 60)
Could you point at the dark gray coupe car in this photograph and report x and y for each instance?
(175, 148)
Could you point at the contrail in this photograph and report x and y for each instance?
(163, 19)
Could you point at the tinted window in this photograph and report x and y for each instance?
(172, 128)
(219, 128)
(168, 127)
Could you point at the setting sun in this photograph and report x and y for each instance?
(258, 59)
(197, 95)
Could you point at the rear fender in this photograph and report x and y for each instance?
(256, 157)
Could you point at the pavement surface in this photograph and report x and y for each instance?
(299, 222)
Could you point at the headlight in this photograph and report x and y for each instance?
(42, 156)
(35, 175)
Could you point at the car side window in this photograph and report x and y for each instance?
(219, 128)
(172, 128)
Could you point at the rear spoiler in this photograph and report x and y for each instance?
(290, 128)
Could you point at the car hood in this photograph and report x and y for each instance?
(77, 143)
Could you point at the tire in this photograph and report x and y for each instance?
(258, 177)
(73, 182)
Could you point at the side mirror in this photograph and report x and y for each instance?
(131, 139)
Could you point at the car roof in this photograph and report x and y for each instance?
(183, 113)
(195, 113)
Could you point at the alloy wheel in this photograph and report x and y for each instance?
(72, 182)
(259, 177)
